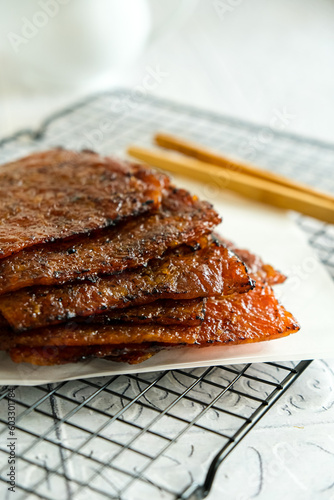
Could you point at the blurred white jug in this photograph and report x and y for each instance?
(66, 42)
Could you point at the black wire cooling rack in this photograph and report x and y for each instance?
(134, 437)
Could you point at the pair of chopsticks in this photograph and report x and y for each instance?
(192, 160)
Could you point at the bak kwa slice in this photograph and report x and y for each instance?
(59, 194)
(81, 334)
(187, 312)
(161, 312)
(182, 274)
(241, 318)
(178, 312)
(182, 218)
(249, 317)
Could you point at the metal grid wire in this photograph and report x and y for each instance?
(133, 437)
(142, 436)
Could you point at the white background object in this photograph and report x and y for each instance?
(59, 44)
(246, 61)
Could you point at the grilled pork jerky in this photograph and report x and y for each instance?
(59, 194)
(242, 318)
(80, 334)
(250, 317)
(182, 274)
(185, 312)
(161, 312)
(181, 219)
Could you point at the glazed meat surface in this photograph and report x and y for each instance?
(269, 320)
(185, 312)
(250, 317)
(59, 194)
(240, 318)
(79, 334)
(181, 219)
(183, 274)
(161, 312)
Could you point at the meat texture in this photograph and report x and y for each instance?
(210, 271)
(250, 317)
(161, 312)
(182, 274)
(185, 312)
(59, 194)
(181, 219)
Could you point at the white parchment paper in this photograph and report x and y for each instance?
(308, 294)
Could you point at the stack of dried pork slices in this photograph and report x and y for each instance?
(102, 258)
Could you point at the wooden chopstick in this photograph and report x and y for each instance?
(252, 187)
(206, 155)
